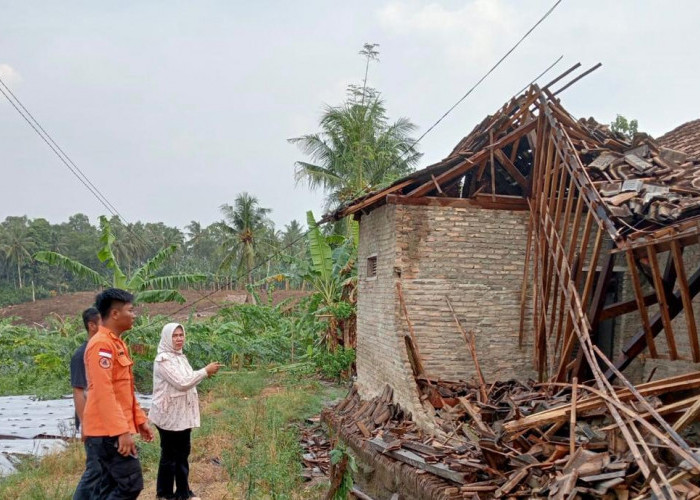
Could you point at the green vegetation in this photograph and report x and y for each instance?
(358, 149)
(274, 354)
(623, 126)
(36, 360)
(144, 283)
(247, 447)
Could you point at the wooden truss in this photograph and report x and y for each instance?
(598, 206)
(585, 224)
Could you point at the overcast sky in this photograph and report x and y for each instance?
(172, 108)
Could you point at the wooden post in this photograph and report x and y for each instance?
(411, 344)
(639, 296)
(471, 347)
(663, 305)
(572, 419)
(687, 301)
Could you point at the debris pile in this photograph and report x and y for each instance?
(316, 448)
(537, 440)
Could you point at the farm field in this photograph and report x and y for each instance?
(247, 446)
(253, 411)
(203, 303)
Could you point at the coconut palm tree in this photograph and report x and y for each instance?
(17, 243)
(356, 150)
(245, 225)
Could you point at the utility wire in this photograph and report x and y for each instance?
(63, 156)
(46, 137)
(539, 76)
(94, 193)
(409, 149)
(498, 63)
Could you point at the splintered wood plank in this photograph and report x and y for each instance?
(363, 429)
(572, 418)
(593, 264)
(471, 347)
(639, 297)
(663, 305)
(524, 284)
(569, 337)
(411, 343)
(417, 461)
(560, 413)
(687, 301)
(688, 417)
(511, 169)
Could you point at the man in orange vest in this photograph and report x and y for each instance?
(112, 413)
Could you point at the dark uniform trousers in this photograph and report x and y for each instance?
(122, 478)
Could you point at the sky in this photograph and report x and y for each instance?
(173, 108)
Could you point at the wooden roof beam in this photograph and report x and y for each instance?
(638, 342)
(472, 161)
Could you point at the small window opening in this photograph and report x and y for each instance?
(372, 266)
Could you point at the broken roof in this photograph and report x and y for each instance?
(641, 187)
(684, 138)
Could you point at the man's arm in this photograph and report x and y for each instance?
(79, 402)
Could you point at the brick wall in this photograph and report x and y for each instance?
(473, 256)
(381, 352)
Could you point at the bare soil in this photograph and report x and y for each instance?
(204, 303)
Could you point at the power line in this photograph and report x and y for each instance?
(57, 154)
(498, 63)
(539, 76)
(65, 159)
(269, 259)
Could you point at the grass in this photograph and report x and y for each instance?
(247, 446)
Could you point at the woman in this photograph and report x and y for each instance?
(175, 411)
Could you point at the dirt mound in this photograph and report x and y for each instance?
(204, 303)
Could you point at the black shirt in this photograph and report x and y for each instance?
(78, 378)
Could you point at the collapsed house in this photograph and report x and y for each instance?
(545, 248)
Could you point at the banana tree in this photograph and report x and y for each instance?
(332, 275)
(142, 283)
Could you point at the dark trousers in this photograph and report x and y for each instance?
(89, 484)
(121, 476)
(174, 468)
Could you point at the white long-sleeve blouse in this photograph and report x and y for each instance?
(175, 405)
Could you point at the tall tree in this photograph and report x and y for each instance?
(245, 225)
(148, 286)
(357, 148)
(17, 243)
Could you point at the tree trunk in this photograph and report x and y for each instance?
(19, 272)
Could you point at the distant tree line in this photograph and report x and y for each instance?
(357, 149)
(243, 247)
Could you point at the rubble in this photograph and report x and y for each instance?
(316, 448)
(517, 443)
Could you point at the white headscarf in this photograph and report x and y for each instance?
(165, 347)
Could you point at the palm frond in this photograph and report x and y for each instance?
(106, 254)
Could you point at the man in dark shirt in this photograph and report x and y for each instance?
(90, 481)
